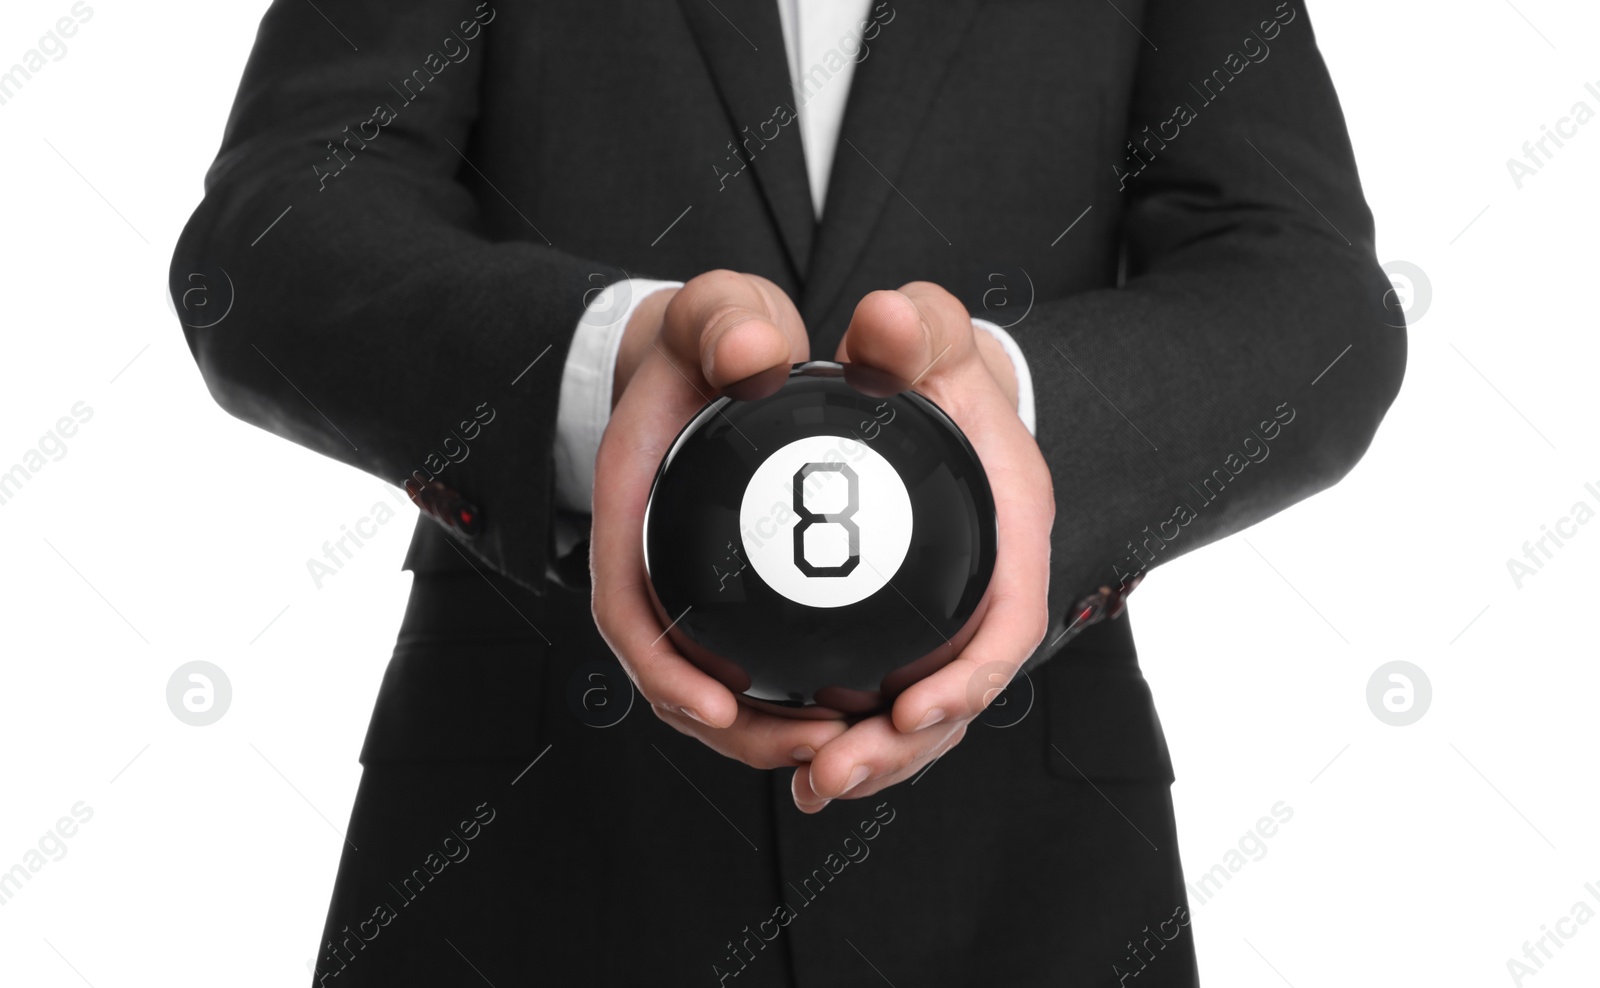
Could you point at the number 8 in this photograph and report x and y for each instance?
(809, 518)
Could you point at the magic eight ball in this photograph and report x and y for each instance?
(819, 539)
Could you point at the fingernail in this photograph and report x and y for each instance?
(804, 753)
(812, 807)
(858, 775)
(931, 718)
(694, 714)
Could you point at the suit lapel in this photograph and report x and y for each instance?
(890, 97)
(742, 43)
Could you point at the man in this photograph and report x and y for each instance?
(457, 235)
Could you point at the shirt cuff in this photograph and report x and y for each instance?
(585, 404)
(1019, 364)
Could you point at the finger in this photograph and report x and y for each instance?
(623, 610)
(803, 787)
(722, 327)
(805, 800)
(760, 740)
(918, 332)
(665, 678)
(1011, 630)
(913, 770)
(734, 347)
(873, 754)
(1017, 614)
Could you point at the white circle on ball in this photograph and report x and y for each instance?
(851, 514)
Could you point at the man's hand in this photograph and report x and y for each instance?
(678, 351)
(922, 334)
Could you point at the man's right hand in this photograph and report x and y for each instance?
(679, 350)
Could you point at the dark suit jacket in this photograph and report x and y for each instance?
(1173, 319)
(1164, 187)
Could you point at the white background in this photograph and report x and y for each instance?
(1418, 855)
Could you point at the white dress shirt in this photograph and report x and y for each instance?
(809, 35)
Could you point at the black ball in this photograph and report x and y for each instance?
(820, 539)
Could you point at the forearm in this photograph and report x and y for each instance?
(1247, 360)
(374, 321)
(1199, 417)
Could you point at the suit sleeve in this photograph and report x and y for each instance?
(374, 320)
(1248, 355)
